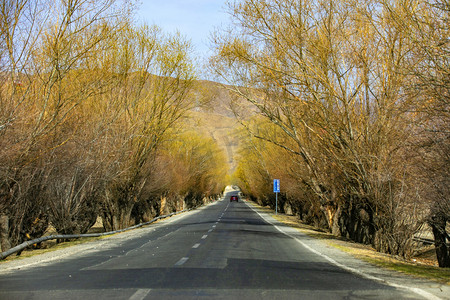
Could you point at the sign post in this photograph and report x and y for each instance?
(276, 190)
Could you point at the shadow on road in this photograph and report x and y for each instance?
(239, 273)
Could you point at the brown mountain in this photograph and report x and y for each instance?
(214, 116)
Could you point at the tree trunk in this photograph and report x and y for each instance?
(335, 227)
(438, 223)
(4, 237)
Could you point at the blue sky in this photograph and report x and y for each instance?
(195, 19)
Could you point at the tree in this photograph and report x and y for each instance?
(155, 76)
(45, 54)
(310, 69)
(426, 25)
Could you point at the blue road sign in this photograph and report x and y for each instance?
(276, 185)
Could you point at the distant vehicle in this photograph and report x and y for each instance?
(234, 198)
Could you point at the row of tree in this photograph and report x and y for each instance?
(91, 118)
(353, 102)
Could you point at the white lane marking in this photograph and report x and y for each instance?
(418, 291)
(196, 246)
(214, 226)
(181, 261)
(204, 237)
(210, 230)
(140, 294)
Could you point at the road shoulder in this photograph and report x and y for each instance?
(52, 255)
(426, 288)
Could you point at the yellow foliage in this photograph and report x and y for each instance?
(197, 162)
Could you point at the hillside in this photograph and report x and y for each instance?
(213, 115)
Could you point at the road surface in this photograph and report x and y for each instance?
(223, 251)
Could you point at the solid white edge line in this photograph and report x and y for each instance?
(418, 291)
(140, 294)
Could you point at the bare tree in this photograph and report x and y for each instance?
(155, 76)
(426, 25)
(48, 46)
(328, 74)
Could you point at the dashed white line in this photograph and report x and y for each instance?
(204, 237)
(140, 294)
(210, 230)
(214, 226)
(181, 261)
(196, 246)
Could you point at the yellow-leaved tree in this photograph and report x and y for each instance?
(329, 75)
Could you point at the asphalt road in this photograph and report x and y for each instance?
(224, 250)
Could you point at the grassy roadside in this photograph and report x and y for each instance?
(365, 252)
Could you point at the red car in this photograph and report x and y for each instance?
(234, 198)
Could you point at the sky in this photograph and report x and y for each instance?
(194, 19)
